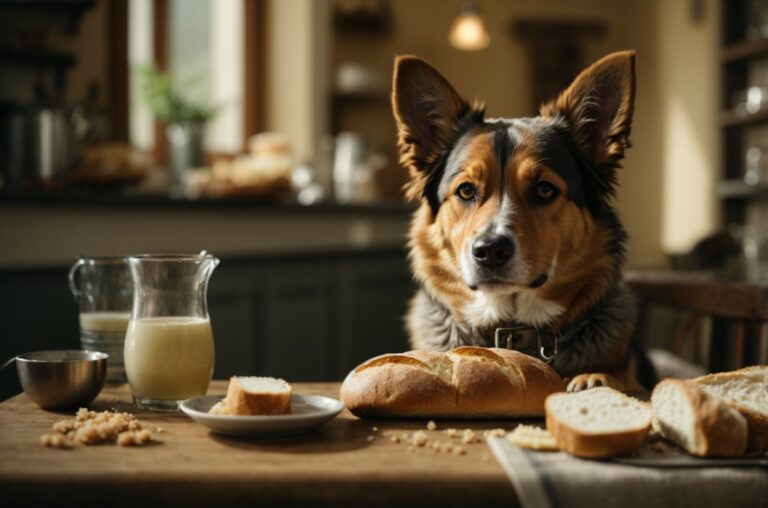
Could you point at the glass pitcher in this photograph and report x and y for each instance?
(169, 350)
(103, 290)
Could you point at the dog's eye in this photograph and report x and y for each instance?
(545, 191)
(466, 191)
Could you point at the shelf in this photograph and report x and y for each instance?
(737, 189)
(744, 50)
(734, 119)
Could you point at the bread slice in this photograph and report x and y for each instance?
(258, 396)
(699, 422)
(747, 391)
(596, 423)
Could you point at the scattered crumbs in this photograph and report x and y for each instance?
(375, 429)
(419, 438)
(494, 432)
(159, 430)
(459, 450)
(452, 432)
(435, 445)
(370, 439)
(446, 447)
(404, 436)
(431, 425)
(468, 436)
(395, 439)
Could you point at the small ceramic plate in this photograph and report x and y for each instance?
(307, 412)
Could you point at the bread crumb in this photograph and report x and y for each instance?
(459, 450)
(370, 439)
(452, 432)
(446, 447)
(90, 427)
(419, 438)
(375, 429)
(394, 439)
(486, 458)
(404, 436)
(494, 432)
(431, 425)
(435, 445)
(468, 436)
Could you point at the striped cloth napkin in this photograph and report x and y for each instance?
(558, 480)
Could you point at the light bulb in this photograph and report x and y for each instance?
(468, 31)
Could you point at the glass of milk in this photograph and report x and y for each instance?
(103, 289)
(169, 351)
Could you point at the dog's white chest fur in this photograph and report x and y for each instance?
(524, 307)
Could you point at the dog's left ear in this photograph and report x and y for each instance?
(598, 107)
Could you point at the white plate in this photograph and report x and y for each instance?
(307, 412)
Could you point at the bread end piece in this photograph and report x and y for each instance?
(258, 396)
(701, 423)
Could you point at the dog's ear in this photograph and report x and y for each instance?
(598, 107)
(427, 110)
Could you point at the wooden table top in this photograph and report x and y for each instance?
(336, 464)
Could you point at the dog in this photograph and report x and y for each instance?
(515, 242)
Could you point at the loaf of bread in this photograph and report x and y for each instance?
(257, 396)
(746, 390)
(700, 423)
(466, 382)
(597, 423)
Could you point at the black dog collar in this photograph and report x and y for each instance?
(518, 336)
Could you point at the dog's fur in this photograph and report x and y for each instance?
(546, 184)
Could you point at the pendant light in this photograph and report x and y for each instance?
(468, 31)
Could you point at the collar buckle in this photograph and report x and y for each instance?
(509, 337)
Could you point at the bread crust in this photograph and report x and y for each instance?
(466, 382)
(721, 430)
(595, 445)
(757, 423)
(242, 402)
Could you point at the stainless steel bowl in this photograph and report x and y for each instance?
(62, 379)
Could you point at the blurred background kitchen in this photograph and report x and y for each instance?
(261, 130)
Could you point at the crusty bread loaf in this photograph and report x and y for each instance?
(699, 422)
(596, 423)
(258, 396)
(747, 391)
(465, 382)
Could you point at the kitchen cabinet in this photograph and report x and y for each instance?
(301, 316)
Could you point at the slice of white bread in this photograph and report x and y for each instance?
(699, 422)
(747, 391)
(258, 396)
(596, 423)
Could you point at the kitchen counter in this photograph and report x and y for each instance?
(191, 466)
(51, 229)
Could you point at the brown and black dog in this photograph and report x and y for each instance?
(515, 242)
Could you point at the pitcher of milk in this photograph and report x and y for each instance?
(169, 350)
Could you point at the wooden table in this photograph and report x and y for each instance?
(191, 466)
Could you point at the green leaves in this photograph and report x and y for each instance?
(166, 102)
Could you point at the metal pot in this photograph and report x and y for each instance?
(37, 143)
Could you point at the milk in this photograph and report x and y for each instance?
(169, 358)
(104, 321)
(105, 332)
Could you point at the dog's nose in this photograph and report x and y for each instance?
(493, 251)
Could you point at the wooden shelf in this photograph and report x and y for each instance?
(737, 189)
(734, 119)
(744, 50)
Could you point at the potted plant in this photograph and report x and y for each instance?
(184, 120)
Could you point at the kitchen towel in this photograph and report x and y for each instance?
(558, 480)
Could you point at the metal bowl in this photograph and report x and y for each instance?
(62, 379)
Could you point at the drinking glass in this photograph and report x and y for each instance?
(169, 351)
(103, 289)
